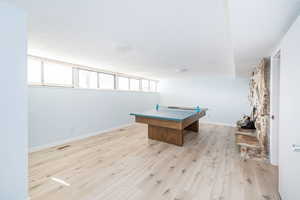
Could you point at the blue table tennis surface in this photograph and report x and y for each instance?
(167, 114)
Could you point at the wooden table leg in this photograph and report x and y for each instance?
(169, 135)
(193, 127)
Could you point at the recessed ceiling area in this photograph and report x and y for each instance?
(154, 38)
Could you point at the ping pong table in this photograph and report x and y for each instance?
(168, 124)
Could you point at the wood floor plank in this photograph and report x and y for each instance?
(124, 164)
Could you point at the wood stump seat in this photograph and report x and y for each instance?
(248, 142)
(249, 132)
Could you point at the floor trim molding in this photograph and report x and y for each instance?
(53, 144)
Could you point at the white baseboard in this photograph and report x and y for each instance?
(218, 123)
(53, 144)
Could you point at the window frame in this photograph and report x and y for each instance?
(90, 71)
(41, 72)
(142, 89)
(139, 82)
(57, 84)
(117, 81)
(155, 86)
(114, 84)
(75, 77)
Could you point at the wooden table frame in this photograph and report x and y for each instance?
(171, 131)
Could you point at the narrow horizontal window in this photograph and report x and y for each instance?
(134, 84)
(145, 85)
(106, 81)
(123, 83)
(34, 71)
(152, 86)
(43, 71)
(58, 74)
(87, 79)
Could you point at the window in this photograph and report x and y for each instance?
(145, 85)
(134, 84)
(34, 71)
(106, 81)
(58, 74)
(87, 79)
(123, 83)
(42, 71)
(152, 86)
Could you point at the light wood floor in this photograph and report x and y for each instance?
(124, 164)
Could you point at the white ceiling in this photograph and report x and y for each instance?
(156, 38)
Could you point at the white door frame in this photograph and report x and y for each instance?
(274, 105)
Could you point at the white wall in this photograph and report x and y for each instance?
(59, 114)
(13, 104)
(289, 112)
(226, 98)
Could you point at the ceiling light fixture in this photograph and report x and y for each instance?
(181, 70)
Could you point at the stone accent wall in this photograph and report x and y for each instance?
(259, 97)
